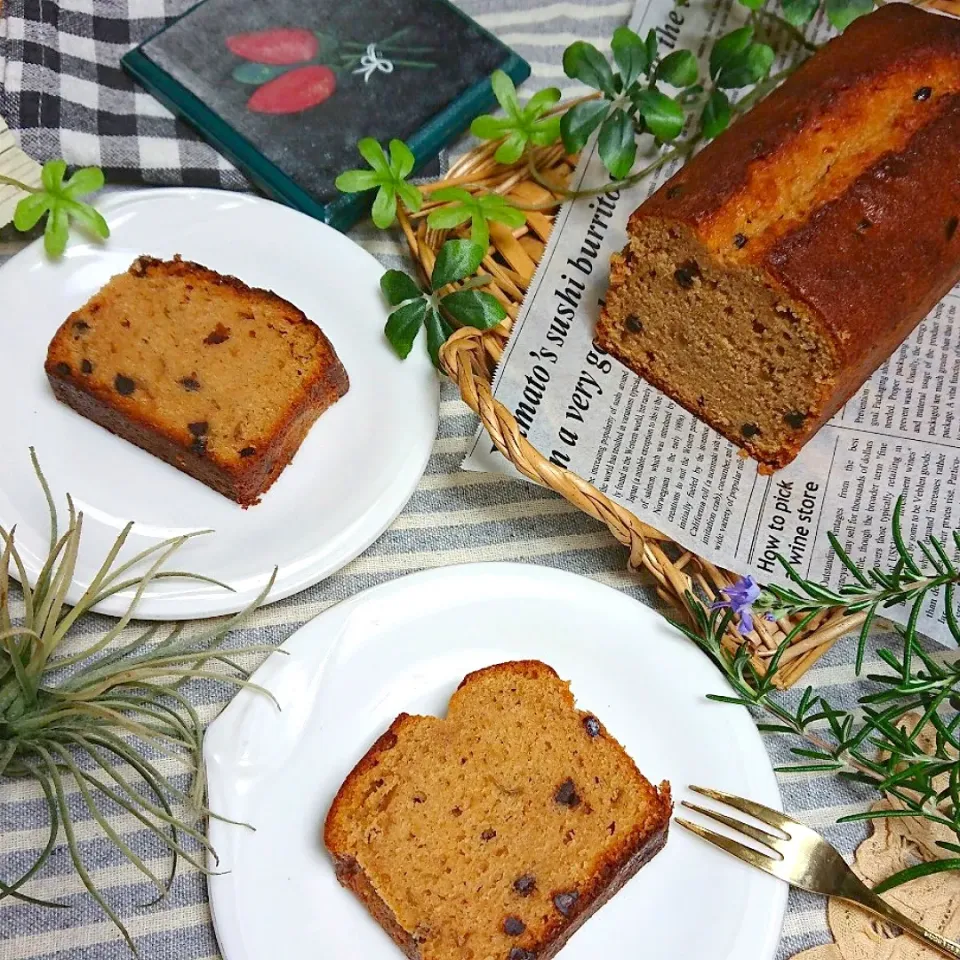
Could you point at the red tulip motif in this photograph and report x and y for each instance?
(292, 92)
(277, 47)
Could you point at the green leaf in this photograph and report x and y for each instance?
(497, 208)
(716, 115)
(437, 334)
(256, 73)
(541, 101)
(30, 209)
(356, 181)
(729, 46)
(630, 56)
(617, 144)
(410, 195)
(87, 217)
(799, 12)
(448, 217)
(57, 231)
(580, 121)
(398, 287)
(752, 4)
(746, 68)
(584, 62)
(505, 92)
(663, 116)
(84, 181)
(456, 260)
(679, 69)
(651, 44)
(403, 325)
(475, 308)
(385, 206)
(545, 132)
(927, 869)
(402, 159)
(487, 127)
(448, 194)
(372, 152)
(511, 150)
(52, 175)
(841, 13)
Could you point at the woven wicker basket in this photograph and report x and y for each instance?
(470, 356)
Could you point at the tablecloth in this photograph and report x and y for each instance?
(453, 517)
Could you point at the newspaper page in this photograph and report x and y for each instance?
(585, 411)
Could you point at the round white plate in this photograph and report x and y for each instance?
(353, 474)
(405, 646)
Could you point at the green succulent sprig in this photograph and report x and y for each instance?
(530, 124)
(414, 307)
(388, 176)
(877, 743)
(83, 717)
(459, 206)
(59, 201)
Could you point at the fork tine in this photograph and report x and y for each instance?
(768, 816)
(741, 852)
(761, 836)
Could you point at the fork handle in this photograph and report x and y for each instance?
(865, 897)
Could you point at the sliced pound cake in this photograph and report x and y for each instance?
(216, 378)
(495, 833)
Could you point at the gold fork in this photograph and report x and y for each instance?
(802, 858)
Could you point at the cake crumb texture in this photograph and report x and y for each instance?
(494, 833)
(773, 273)
(217, 378)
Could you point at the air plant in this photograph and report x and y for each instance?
(87, 716)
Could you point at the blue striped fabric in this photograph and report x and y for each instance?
(453, 517)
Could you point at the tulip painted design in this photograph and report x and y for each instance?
(295, 69)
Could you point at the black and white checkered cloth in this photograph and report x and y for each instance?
(64, 94)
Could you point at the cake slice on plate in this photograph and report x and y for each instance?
(496, 832)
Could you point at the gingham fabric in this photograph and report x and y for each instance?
(59, 67)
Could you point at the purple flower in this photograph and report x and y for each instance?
(740, 596)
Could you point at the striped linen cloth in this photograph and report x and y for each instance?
(453, 517)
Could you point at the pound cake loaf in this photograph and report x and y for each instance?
(495, 833)
(220, 380)
(765, 282)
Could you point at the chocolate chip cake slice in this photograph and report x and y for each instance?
(220, 380)
(496, 832)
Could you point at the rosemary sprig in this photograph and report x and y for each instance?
(877, 744)
(112, 707)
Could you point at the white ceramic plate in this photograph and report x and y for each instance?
(405, 646)
(357, 468)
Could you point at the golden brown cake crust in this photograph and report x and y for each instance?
(372, 803)
(840, 192)
(151, 359)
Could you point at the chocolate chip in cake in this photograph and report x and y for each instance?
(924, 93)
(247, 452)
(513, 926)
(952, 227)
(749, 430)
(592, 726)
(633, 324)
(795, 419)
(864, 224)
(219, 334)
(685, 273)
(190, 384)
(81, 326)
(488, 835)
(525, 885)
(125, 324)
(63, 369)
(457, 812)
(739, 241)
(199, 445)
(564, 901)
(86, 366)
(674, 191)
(199, 428)
(124, 385)
(612, 829)
(518, 953)
(419, 798)
(566, 794)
